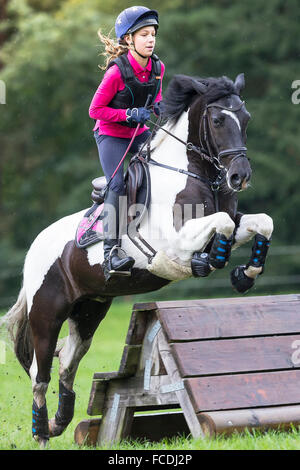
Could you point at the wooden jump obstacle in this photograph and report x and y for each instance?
(228, 364)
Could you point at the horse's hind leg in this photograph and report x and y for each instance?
(259, 227)
(83, 323)
(45, 322)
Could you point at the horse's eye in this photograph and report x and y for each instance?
(216, 121)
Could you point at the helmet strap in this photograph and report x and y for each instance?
(133, 46)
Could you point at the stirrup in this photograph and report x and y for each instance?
(108, 271)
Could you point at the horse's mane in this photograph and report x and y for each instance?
(182, 90)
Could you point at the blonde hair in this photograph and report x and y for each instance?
(112, 48)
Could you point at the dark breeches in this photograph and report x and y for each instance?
(111, 150)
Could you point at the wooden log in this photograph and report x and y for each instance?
(227, 392)
(152, 427)
(226, 422)
(86, 432)
(215, 321)
(199, 358)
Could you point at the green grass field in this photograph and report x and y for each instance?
(104, 355)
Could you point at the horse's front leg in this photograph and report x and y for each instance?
(259, 227)
(192, 239)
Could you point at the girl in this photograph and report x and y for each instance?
(133, 73)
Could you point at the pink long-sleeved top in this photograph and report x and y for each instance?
(107, 118)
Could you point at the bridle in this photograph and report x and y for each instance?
(204, 131)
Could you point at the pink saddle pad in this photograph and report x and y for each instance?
(90, 228)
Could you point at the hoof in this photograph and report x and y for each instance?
(240, 282)
(43, 443)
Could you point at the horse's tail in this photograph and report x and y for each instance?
(16, 321)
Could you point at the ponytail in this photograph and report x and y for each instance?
(112, 49)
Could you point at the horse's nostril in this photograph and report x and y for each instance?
(235, 179)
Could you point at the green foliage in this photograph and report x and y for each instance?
(48, 154)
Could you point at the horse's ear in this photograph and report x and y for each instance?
(239, 82)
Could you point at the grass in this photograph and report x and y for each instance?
(104, 355)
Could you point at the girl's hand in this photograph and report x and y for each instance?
(140, 115)
(158, 108)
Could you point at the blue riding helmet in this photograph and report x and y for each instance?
(134, 18)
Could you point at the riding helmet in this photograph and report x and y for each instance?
(134, 18)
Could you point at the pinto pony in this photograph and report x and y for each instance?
(204, 140)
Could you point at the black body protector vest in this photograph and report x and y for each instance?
(135, 92)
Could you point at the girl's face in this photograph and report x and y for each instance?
(144, 40)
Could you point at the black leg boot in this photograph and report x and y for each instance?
(116, 263)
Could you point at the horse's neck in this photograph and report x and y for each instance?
(169, 150)
(165, 183)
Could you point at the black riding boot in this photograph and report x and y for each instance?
(114, 264)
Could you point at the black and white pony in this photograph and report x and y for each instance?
(205, 138)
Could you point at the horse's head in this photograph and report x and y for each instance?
(218, 121)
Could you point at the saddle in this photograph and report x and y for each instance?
(138, 192)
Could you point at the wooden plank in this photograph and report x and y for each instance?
(150, 361)
(226, 422)
(132, 394)
(137, 327)
(144, 306)
(98, 391)
(199, 358)
(115, 424)
(228, 300)
(226, 321)
(130, 360)
(181, 393)
(152, 427)
(244, 390)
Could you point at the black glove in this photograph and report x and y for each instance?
(140, 115)
(158, 108)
